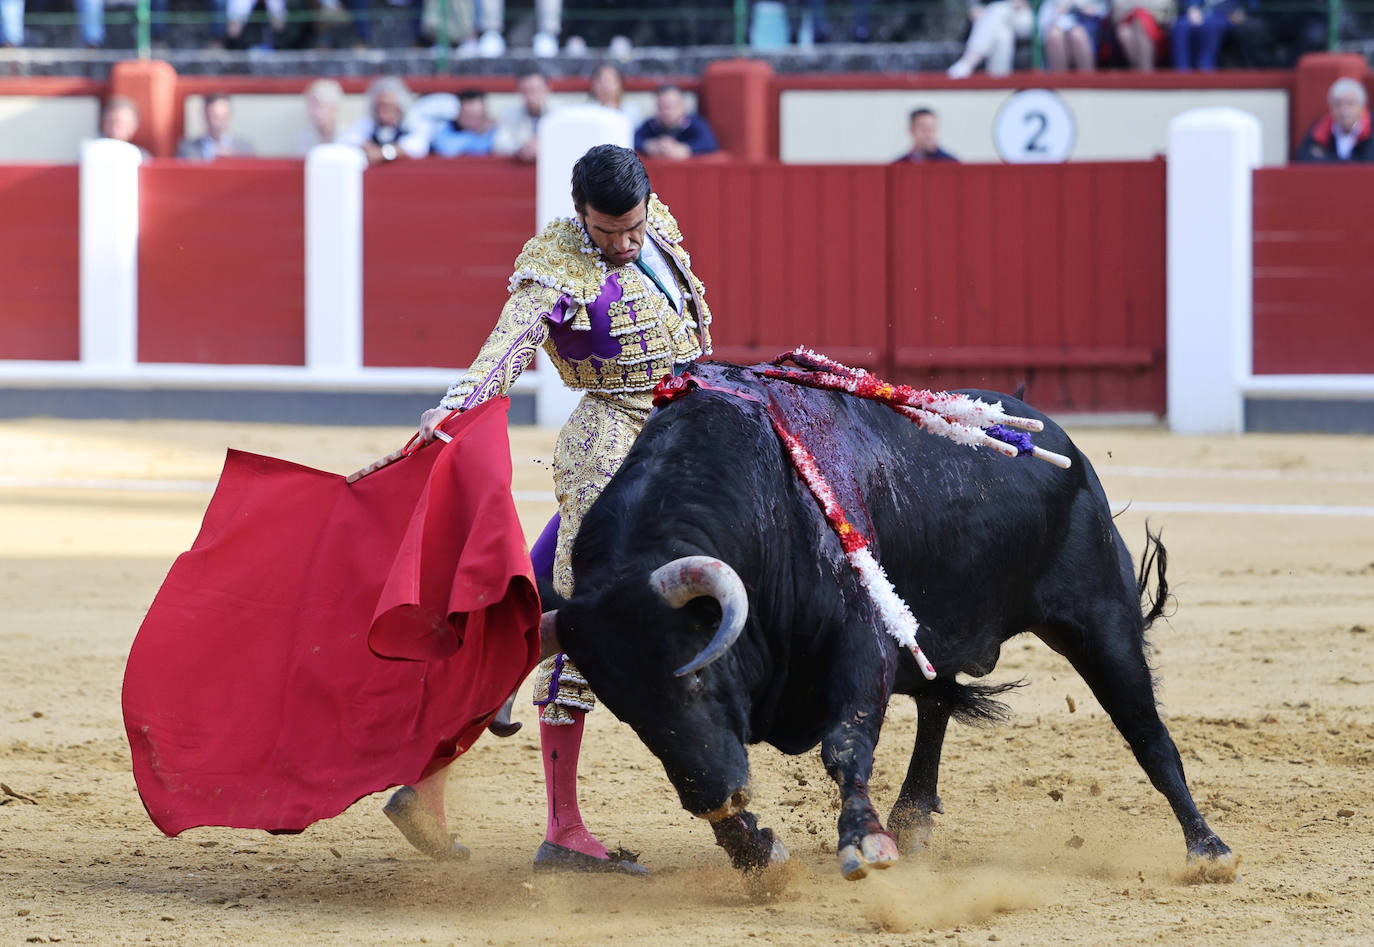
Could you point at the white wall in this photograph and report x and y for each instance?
(870, 127)
(46, 128)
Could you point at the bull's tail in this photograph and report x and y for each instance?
(970, 702)
(1153, 560)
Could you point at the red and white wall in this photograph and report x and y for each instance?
(983, 275)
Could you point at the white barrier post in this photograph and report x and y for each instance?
(565, 136)
(334, 259)
(109, 253)
(1212, 157)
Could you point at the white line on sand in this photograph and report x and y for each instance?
(1243, 509)
(107, 483)
(1216, 473)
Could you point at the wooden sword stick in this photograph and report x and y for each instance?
(391, 458)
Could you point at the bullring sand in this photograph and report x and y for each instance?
(1051, 834)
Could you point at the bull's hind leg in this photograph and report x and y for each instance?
(910, 821)
(847, 751)
(1112, 662)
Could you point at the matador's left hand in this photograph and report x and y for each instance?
(430, 421)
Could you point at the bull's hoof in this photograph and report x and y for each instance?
(772, 879)
(913, 834)
(912, 825)
(421, 828)
(1211, 862)
(878, 850)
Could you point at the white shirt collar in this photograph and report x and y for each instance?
(1344, 140)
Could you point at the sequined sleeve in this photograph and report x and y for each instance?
(519, 332)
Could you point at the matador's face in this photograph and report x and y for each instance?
(618, 238)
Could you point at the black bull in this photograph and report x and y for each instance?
(982, 547)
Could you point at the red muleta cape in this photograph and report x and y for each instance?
(322, 641)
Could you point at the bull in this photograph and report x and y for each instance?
(714, 607)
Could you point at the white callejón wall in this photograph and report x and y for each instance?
(334, 259)
(1212, 157)
(109, 254)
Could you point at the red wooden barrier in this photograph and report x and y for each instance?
(1314, 285)
(945, 276)
(439, 241)
(39, 262)
(221, 262)
(1049, 275)
(789, 255)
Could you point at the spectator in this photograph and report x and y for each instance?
(672, 132)
(11, 23)
(1343, 133)
(92, 19)
(1069, 30)
(119, 121)
(322, 100)
(357, 19)
(548, 19)
(1141, 27)
(1199, 31)
(516, 130)
(607, 89)
(219, 141)
(1270, 38)
(861, 30)
(384, 133)
(996, 28)
(471, 133)
(236, 13)
(925, 139)
(455, 18)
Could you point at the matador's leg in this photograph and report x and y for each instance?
(590, 448)
(418, 811)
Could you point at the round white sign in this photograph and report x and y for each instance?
(1034, 126)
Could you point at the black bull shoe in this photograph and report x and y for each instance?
(551, 857)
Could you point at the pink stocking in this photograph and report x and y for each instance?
(431, 792)
(560, 746)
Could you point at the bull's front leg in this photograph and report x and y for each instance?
(847, 751)
(751, 848)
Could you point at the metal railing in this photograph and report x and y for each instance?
(1346, 21)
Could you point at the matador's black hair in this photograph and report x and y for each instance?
(611, 179)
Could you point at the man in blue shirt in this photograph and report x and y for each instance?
(471, 133)
(673, 132)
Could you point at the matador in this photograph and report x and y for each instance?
(611, 297)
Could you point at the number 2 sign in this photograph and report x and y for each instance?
(1034, 126)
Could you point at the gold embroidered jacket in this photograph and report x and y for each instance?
(604, 327)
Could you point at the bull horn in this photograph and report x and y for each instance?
(682, 580)
(548, 635)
